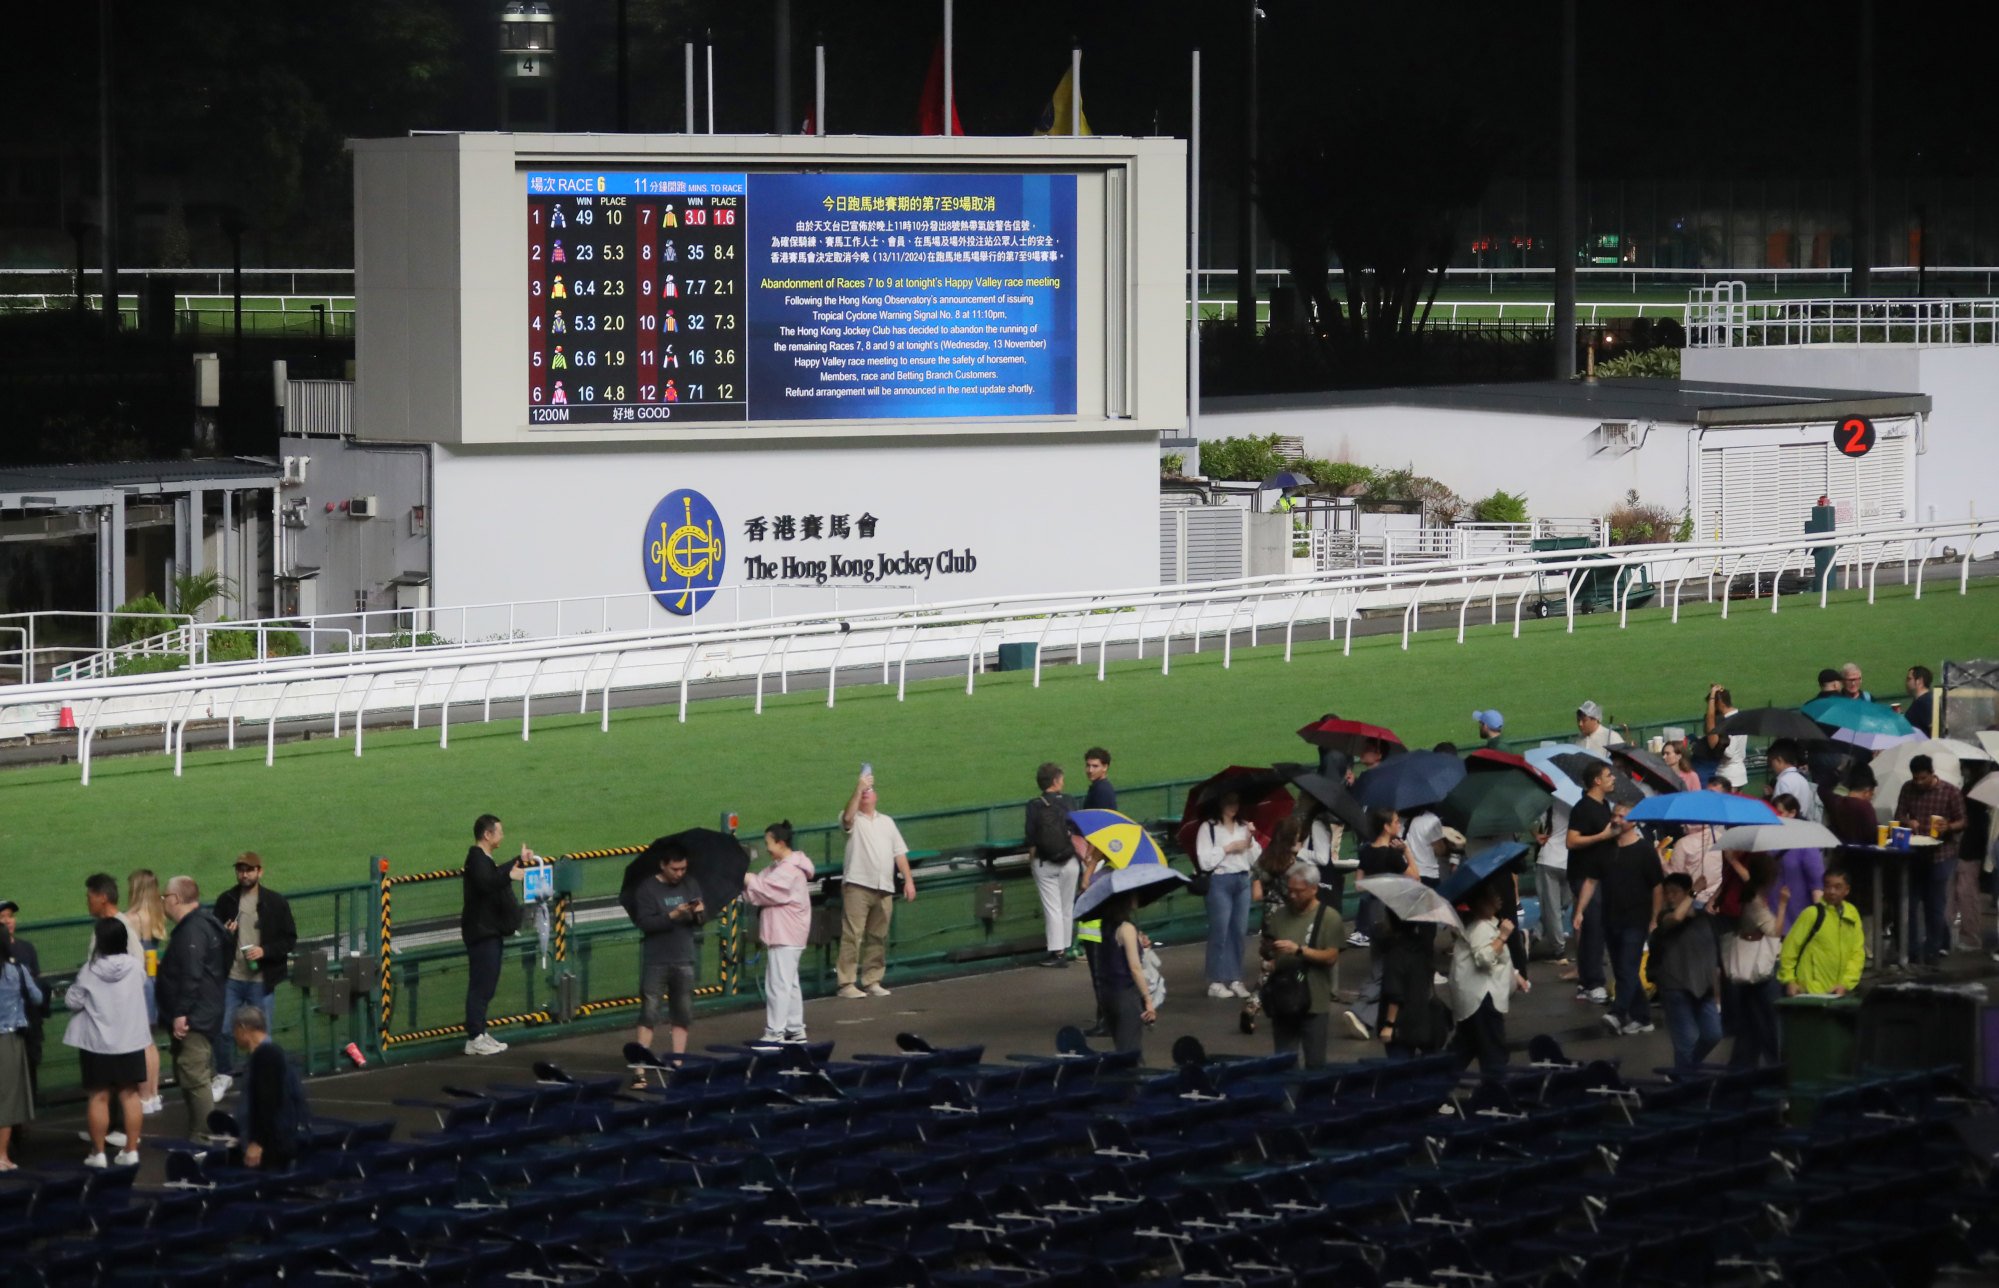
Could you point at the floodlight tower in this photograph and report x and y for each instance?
(527, 65)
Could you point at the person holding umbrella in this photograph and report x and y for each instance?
(1482, 984)
(1749, 968)
(1301, 939)
(1800, 873)
(1788, 779)
(1123, 871)
(1126, 995)
(1225, 850)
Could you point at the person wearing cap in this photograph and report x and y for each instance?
(1829, 685)
(31, 962)
(1491, 725)
(264, 935)
(1591, 731)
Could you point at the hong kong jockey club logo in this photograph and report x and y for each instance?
(683, 549)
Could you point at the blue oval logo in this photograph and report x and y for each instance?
(683, 549)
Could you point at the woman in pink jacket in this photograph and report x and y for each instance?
(782, 891)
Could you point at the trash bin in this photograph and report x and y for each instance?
(1016, 657)
(1820, 1036)
(1927, 1026)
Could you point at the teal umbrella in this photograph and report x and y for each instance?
(1495, 804)
(1863, 724)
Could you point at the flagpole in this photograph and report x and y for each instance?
(690, 87)
(1194, 255)
(1075, 89)
(947, 67)
(819, 89)
(711, 82)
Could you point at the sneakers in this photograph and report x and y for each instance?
(484, 1044)
(115, 1139)
(770, 1038)
(795, 1036)
(1220, 991)
(1238, 990)
(1357, 940)
(1634, 1028)
(1356, 1025)
(1615, 1025)
(1053, 959)
(1597, 995)
(97, 1161)
(126, 1158)
(151, 1107)
(876, 990)
(849, 992)
(219, 1085)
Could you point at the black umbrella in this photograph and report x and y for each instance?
(1581, 767)
(1491, 804)
(1648, 769)
(1332, 796)
(1412, 779)
(1773, 722)
(715, 860)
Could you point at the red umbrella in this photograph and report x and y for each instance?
(1351, 736)
(1487, 760)
(1265, 803)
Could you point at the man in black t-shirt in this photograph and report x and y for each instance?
(1592, 835)
(1630, 891)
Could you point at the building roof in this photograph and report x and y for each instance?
(45, 486)
(1696, 402)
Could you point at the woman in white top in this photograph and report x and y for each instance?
(1749, 955)
(1224, 850)
(1482, 983)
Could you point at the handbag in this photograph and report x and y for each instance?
(1197, 884)
(1287, 994)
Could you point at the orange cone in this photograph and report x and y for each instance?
(66, 718)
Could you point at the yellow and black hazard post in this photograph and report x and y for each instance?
(386, 926)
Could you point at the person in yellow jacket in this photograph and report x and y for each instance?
(1827, 947)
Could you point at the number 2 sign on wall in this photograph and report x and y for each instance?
(1854, 436)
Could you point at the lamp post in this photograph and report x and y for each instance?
(527, 65)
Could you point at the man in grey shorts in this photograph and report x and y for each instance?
(667, 909)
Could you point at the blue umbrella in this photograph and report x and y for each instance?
(1149, 880)
(1543, 759)
(1478, 867)
(1288, 479)
(1723, 809)
(1406, 781)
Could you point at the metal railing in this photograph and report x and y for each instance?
(1724, 317)
(37, 650)
(1077, 625)
(1458, 542)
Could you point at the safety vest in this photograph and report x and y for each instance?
(1089, 932)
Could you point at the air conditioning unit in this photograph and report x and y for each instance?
(294, 475)
(294, 513)
(363, 507)
(1615, 438)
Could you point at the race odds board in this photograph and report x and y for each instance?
(657, 297)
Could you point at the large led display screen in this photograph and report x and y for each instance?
(657, 297)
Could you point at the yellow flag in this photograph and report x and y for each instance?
(1055, 117)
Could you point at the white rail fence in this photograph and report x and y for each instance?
(765, 654)
(1724, 317)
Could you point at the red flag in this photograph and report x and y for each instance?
(930, 109)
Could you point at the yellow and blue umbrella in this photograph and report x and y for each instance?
(1122, 840)
(1136, 865)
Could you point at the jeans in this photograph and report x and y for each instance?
(1228, 925)
(1694, 1024)
(1551, 885)
(1056, 884)
(236, 994)
(1962, 905)
(1752, 1012)
(1627, 953)
(1589, 945)
(482, 980)
(784, 1000)
(1929, 900)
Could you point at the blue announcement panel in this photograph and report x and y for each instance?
(686, 296)
(879, 295)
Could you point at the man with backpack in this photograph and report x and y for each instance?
(1053, 860)
(1827, 946)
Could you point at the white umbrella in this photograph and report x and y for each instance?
(1985, 791)
(1891, 768)
(1790, 834)
(1411, 900)
(1989, 739)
